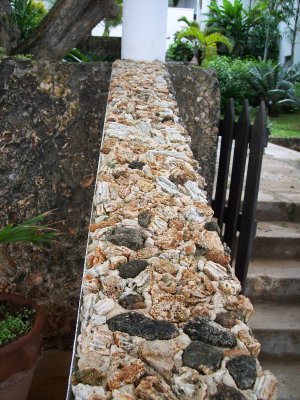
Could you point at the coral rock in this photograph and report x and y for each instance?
(153, 388)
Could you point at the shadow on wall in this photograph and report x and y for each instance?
(52, 115)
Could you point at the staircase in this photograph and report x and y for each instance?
(273, 282)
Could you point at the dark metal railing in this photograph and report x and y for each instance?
(236, 210)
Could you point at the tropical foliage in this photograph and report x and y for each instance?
(234, 78)
(203, 42)
(234, 21)
(274, 11)
(274, 84)
(180, 51)
(256, 81)
(27, 15)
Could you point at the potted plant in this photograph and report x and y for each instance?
(21, 321)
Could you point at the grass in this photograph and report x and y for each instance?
(285, 126)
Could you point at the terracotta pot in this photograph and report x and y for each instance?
(18, 359)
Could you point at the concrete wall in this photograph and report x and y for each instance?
(51, 125)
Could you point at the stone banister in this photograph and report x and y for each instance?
(161, 316)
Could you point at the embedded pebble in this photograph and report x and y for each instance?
(132, 268)
(206, 331)
(243, 371)
(139, 325)
(202, 357)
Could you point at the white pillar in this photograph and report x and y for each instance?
(144, 30)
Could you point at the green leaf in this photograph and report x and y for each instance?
(28, 231)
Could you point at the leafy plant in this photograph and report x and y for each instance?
(27, 14)
(75, 55)
(15, 321)
(274, 11)
(28, 231)
(274, 84)
(233, 20)
(255, 45)
(234, 79)
(206, 43)
(180, 51)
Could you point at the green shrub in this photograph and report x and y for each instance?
(15, 321)
(234, 79)
(180, 51)
(275, 85)
(27, 14)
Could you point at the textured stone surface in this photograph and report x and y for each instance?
(132, 302)
(51, 117)
(132, 269)
(153, 243)
(127, 237)
(202, 357)
(227, 393)
(153, 388)
(138, 325)
(243, 371)
(209, 332)
(198, 97)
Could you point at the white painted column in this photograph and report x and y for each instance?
(144, 30)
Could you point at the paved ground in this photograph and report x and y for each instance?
(280, 177)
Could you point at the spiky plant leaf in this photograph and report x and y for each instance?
(28, 231)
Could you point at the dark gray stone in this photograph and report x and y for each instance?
(212, 226)
(128, 237)
(132, 268)
(133, 302)
(227, 393)
(243, 371)
(138, 325)
(206, 331)
(198, 355)
(136, 165)
(144, 219)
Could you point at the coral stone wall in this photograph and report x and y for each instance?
(161, 316)
(198, 97)
(51, 119)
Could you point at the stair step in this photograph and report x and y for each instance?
(277, 328)
(287, 374)
(277, 239)
(273, 279)
(278, 211)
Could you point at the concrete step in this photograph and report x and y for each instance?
(277, 239)
(273, 280)
(287, 374)
(277, 327)
(278, 211)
